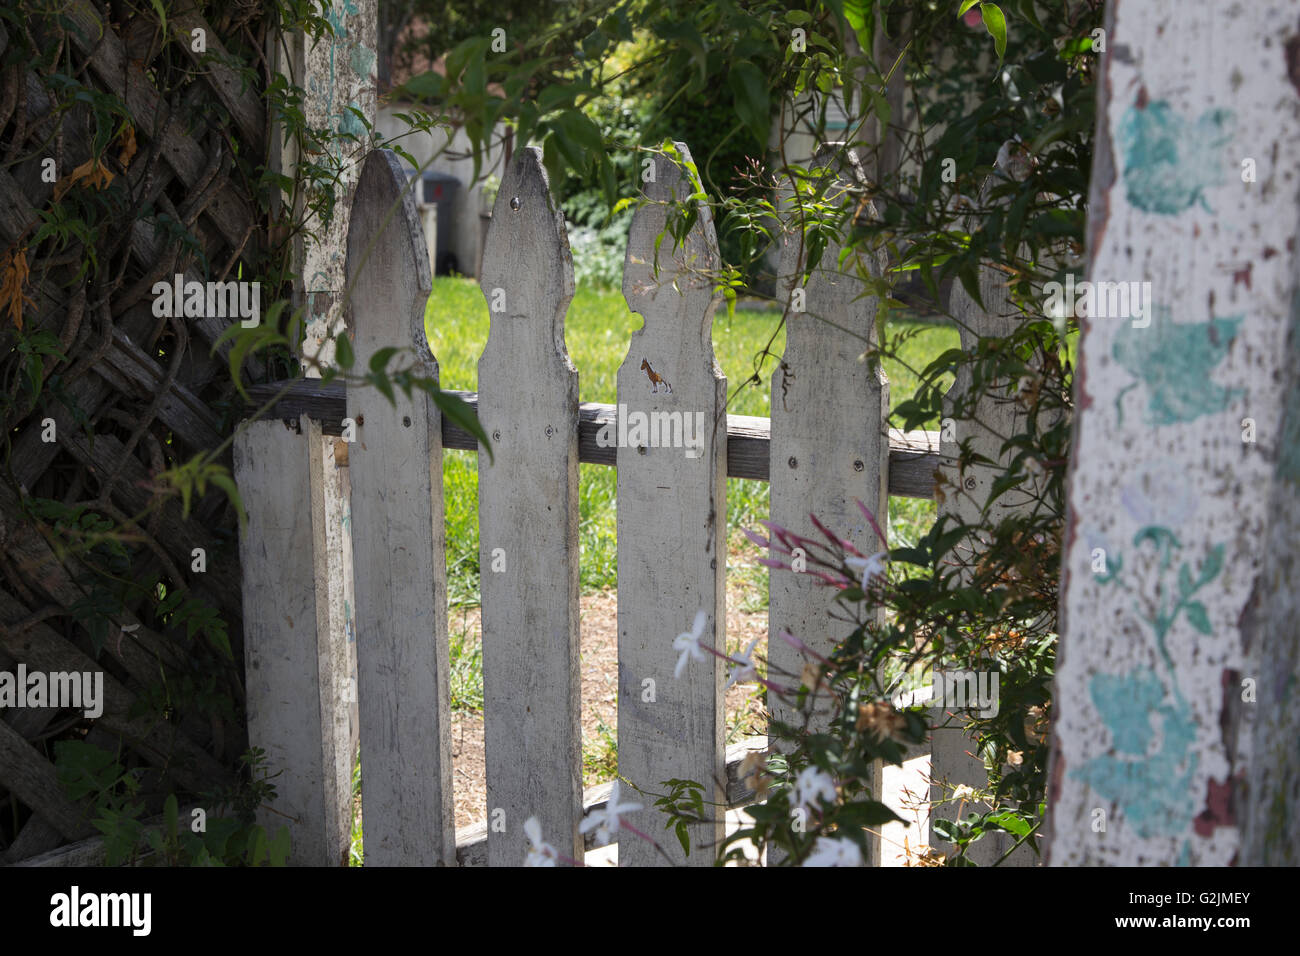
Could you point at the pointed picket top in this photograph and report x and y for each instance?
(686, 269)
(527, 246)
(386, 238)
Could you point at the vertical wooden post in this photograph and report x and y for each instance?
(1270, 725)
(528, 523)
(339, 75)
(830, 437)
(954, 757)
(288, 655)
(1169, 681)
(398, 537)
(671, 516)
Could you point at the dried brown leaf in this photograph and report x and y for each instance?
(13, 276)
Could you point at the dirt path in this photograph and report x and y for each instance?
(599, 672)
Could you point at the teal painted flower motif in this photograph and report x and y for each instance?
(1174, 360)
(1154, 790)
(1169, 162)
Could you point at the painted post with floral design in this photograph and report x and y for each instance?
(1173, 736)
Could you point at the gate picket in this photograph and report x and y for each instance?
(671, 517)
(397, 537)
(528, 523)
(830, 443)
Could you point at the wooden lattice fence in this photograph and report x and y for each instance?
(152, 142)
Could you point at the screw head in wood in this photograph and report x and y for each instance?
(794, 462)
(406, 421)
(549, 431)
(496, 435)
(970, 484)
(857, 465)
(515, 203)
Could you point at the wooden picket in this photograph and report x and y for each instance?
(671, 514)
(528, 523)
(954, 757)
(829, 445)
(397, 534)
(292, 704)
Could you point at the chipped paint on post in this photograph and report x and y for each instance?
(340, 78)
(1152, 727)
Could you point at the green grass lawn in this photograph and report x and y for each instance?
(598, 327)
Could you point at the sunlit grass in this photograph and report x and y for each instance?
(597, 330)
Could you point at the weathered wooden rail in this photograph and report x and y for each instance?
(913, 456)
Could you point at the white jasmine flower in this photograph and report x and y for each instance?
(746, 671)
(829, 852)
(812, 784)
(605, 820)
(871, 567)
(688, 642)
(540, 853)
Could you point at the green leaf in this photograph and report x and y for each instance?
(869, 813)
(278, 850)
(583, 131)
(966, 5)
(683, 837)
(170, 813)
(463, 415)
(1008, 821)
(753, 104)
(971, 283)
(381, 382)
(947, 829)
(996, 24)
(343, 351)
(379, 361)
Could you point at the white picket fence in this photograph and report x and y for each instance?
(318, 574)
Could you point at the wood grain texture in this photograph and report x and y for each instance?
(34, 781)
(671, 521)
(1153, 733)
(286, 627)
(398, 540)
(913, 456)
(830, 441)
(528, 522)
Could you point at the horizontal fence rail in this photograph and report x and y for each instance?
(913, 455)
